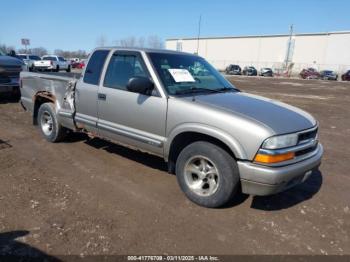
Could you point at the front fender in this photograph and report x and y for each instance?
(224, 137)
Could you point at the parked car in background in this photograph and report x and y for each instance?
(346, 76)
(74, 60)
(10, 67)
(266, 72)
(216, 139)
(250, 71)
(309, 73)
(52, 63)
(78, 65)
(29, 60)
(233, 70)
(328, 75)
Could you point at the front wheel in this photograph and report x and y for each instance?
(207, 174)
(49, 126)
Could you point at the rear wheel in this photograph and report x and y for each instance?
(207, 174)
(68, 69)
(49, 126)
(57, 68)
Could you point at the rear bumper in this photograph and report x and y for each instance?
(43, 67)
(263, 180)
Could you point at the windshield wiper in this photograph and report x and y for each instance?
(195, 89)
(227, 89)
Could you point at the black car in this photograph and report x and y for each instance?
(266, 72)
(10, 67)
(346, 76)
(250, 71)
(328, 75)
(233, 70)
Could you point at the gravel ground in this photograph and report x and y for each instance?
(87, 196)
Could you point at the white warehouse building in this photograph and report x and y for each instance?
(319, 50)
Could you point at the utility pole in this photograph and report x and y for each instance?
(199, 32)
(289, 46)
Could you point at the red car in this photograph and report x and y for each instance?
(310, 73)
(346, 76)
(78, 65)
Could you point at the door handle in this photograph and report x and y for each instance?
(102, 96)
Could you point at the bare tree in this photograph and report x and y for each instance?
(71, 54)
(154, 41)
(7, 49)
(141, 41)
(101, 41)
(58, 52)
(128, 42)
(39, 51)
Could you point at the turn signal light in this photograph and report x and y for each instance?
(270, 159)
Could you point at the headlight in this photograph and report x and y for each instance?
(278, 142)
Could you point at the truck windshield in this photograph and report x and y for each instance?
(187, 74)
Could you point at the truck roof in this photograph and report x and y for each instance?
(141, 49)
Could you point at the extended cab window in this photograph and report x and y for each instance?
(121, 68)
(94, 68)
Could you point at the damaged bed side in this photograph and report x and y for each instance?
(39, 88)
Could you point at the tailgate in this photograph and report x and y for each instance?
(42, 63)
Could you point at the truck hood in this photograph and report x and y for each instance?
(277, 116)
(10, 61)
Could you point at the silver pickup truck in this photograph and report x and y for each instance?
(175, 105)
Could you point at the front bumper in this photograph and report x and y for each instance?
(264, 180)
(10, 87)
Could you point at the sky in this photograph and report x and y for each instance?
(78, 24)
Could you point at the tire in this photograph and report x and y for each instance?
(68, 69)
(215, 186)
(49, 126)
(57, 69)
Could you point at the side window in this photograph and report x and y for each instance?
(121, 68)
(94, 68)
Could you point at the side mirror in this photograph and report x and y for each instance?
(141, 85)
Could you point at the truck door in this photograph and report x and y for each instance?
(86, 91)
(131, 118)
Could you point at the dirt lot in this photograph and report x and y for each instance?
(93, 197)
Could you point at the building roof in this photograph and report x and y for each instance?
(251, 36)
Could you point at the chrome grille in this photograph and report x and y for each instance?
(4, 79)
(9, 71)
(307, 136)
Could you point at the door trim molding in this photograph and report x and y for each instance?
(132, 135)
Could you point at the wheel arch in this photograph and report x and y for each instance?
(182, 136)
(39, 99)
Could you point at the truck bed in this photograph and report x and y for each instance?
(58, 88)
